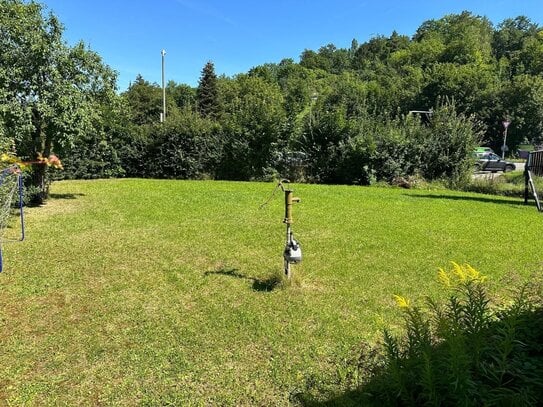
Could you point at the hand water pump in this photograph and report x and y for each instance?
(292, 252)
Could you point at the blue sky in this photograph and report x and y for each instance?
(237, 35)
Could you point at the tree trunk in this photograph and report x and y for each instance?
(42, 147)
(39, 180)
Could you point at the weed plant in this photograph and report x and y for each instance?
(463, 352)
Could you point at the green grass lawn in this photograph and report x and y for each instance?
(130, 292)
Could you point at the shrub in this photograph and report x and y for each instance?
(354, 167)
(461, 352)
(398, 153)
(94, 157)
(187, 147)
(449, 144)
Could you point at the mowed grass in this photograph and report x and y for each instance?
(146, 292)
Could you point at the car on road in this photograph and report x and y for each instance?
(492, 162)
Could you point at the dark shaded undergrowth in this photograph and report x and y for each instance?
(464, 352)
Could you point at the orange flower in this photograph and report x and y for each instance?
(54, 161)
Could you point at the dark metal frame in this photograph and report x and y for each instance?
(533, 166)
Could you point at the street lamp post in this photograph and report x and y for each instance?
(314, 96)
(163, 116)
(506, 124)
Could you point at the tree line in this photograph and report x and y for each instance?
(336, 116)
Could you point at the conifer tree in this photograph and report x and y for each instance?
(207, 93)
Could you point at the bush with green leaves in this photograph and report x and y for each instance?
(360, 149)
(132, 146)
(93, 158)
(253, 125)
(187, 147)
(354, 166)
(398, 153)
(449, 144)
(463, 352)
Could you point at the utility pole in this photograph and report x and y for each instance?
(314, 97)
(163, 116)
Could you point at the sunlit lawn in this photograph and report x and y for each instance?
(131, 292)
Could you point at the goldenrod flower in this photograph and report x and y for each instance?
(459, 271)
(444, 278)
(401, 301)
(459, 274)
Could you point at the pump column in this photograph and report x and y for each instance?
(289, 200)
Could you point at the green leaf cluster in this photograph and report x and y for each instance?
(462, 352)
(51, 95)
(339, 115)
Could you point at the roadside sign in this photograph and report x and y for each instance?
(506, 123)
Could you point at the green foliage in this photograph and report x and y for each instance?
(132, 146)
(187, 147)
(355, 167)
(352, 147)
(144, 101)
(252, 125)
(207, 95)
(50, 93)
(7, 143)
(99, 153)
(448, 145)
(511, 34)
(397, 154)
(465, 353)
(461, 352)
(523, 99)
(346, 111)
(183, 95)
(328, 59)
(94, 157)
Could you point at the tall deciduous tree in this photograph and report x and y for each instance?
(510, 36)
(144, 101)
(207, 94)
(50, 93)
(252, 122)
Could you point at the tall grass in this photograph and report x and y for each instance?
(509, 184)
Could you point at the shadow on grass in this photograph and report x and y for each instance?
(65, 196)
(470, 198)
(352, 398)
(266, 285)
(38, 202)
